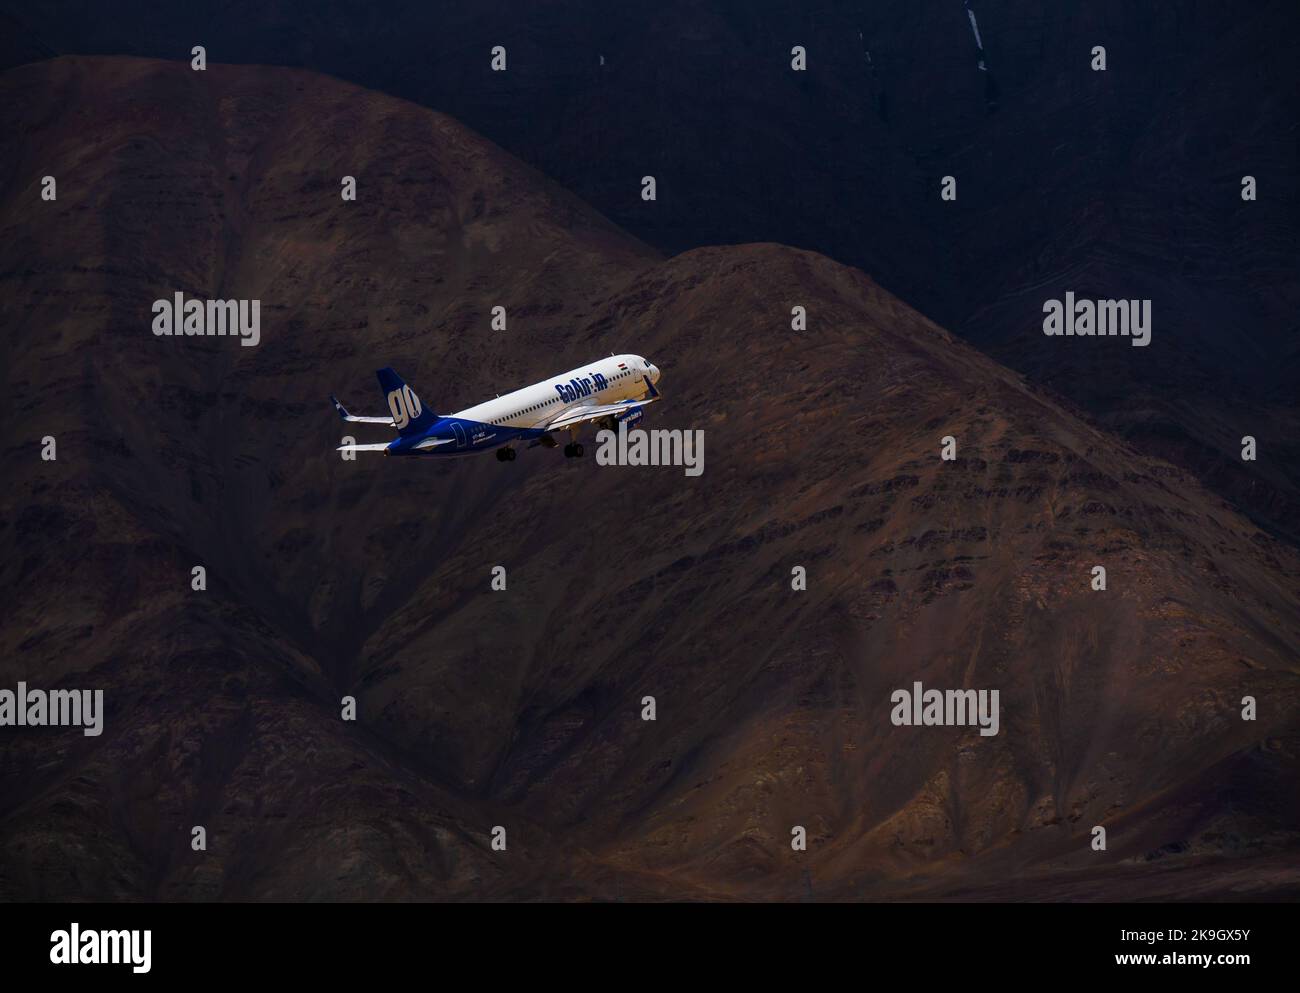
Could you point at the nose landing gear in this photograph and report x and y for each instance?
(506, 454)
(573, 451)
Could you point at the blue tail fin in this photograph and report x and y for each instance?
(409, 415)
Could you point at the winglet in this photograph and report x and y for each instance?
(343, 413)
(654, 394)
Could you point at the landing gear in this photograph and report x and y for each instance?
(573, 451)
(506, 455)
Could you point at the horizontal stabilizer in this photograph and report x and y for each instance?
(343, 413)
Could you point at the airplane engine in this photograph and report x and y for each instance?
(631, 418)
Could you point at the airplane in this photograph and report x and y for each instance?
(607, 393)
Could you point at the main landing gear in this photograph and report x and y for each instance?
(506, 454)
(573, 451)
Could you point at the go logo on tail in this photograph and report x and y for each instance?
(404, 406)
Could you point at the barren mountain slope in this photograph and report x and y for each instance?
(1117, 184)
(523, 708)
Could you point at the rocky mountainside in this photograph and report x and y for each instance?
(523, 708)
(1123, 183)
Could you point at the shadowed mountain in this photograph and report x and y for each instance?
(1115, 184)
(523, 708)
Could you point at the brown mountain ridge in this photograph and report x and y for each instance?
(523, 708)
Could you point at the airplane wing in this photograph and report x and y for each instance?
(577, 415)
(590, 412)
(343, 413)
(363, 448)
(435, 442)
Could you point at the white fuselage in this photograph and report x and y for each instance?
(611, 380)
